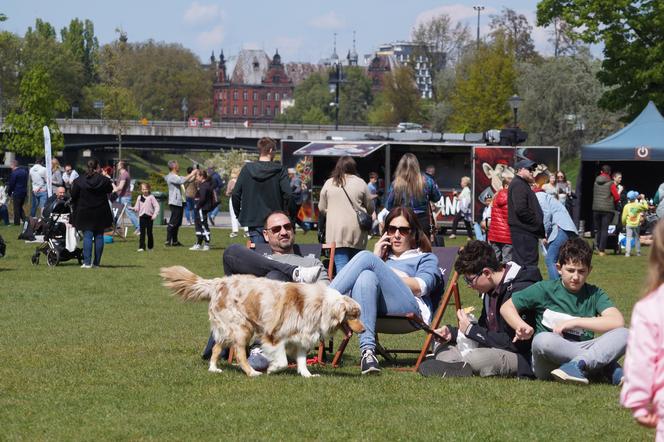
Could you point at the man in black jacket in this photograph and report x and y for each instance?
(485, 346)
(524, 216)
(261, 188)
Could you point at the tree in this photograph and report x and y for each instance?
(355, 96)
(79, 39)
(10, 65)
(400, 99)
(312, 102)
(516, 30)
(484, 82)
(3, 17)
(631, 32)
(158, 75)
(440, 43)
(38, 105)
(566, 115)
(563, 39)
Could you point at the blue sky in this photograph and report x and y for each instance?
(302, 30)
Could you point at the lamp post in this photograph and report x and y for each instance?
(335, 85)
(184, 108)
(515, 102)
(479, 9)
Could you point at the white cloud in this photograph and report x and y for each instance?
(327, 21)
(198, 14)
(212, 38)
(457, 13)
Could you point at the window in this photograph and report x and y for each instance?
(276, 96)
(245, 95)
(276, 111)
(255, 96)
(223, 110)
(285, 96)
(269, 96)
(235, 110)
(235, 95)
(244, 110)
(268, 110)
(255, 110)
(276, 79)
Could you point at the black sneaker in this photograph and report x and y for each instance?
(167, 244)
(434, 367)
(177, 244)
(369, 364)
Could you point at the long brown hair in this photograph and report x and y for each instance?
(408, 181)
(418, 237)
(345, 165)
(656, 268)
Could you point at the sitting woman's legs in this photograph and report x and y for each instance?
(377, 289)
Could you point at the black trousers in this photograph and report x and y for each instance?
(525, 250)
(459, 217)
(174, 223)
(17, 202)
(601, 221)
(202, 228)
(145, 223)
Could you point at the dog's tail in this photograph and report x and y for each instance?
(187, 285)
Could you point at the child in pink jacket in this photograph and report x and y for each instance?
(147, 209)
(643, 390)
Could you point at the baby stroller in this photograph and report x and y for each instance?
(60, 238)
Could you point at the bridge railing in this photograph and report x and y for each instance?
(223, 125)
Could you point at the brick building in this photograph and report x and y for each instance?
(255, 88)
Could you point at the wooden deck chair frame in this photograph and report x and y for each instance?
(303, 250)
(401, 324)
(118, 227)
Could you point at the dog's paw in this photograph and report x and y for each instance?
(307, 374)
(215, 370)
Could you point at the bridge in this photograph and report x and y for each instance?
(90, 134)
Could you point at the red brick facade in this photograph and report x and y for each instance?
(254, 90)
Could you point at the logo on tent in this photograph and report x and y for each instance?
(642, 153)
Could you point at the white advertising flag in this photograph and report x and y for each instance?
(47, 160)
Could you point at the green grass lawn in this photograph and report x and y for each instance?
(108, 354)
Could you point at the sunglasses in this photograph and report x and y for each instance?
(276, 229)
(471, 281)
(403, 230)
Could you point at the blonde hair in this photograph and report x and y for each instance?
(408, 180)
(55, 164)
(465, 179)
(656, 268)
(235, 172)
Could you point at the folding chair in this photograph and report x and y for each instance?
(118, 228)
(408, 323)
(301, 250)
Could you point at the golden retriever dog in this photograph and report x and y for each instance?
(286, 317)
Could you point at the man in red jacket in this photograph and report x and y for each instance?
(499, 230)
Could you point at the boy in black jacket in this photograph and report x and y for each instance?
(488, 349)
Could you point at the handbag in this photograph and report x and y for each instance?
(363, 218)
(321, 228)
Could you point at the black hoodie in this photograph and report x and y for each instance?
(261, 188)
(89, 196)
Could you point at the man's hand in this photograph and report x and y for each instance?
(444, 332)
(464, 320)
(564, 326)
(649, 420)
(523, 333)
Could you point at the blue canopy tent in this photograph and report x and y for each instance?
(636, 150)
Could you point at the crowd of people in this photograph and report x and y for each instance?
(562, 328)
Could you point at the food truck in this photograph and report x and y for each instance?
(313, 161)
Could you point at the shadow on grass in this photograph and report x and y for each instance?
(115, 266)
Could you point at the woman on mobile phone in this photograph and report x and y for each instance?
(395, 279)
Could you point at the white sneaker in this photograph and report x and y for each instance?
(232, 235)
(306, 274)
(195, 247)
(452, 236)
(206, 248)
(140, 250)
(86, 266)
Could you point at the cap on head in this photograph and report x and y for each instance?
(632, 195)
(524, 164)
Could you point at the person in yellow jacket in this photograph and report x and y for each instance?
(631, 219)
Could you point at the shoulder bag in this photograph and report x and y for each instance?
(363, 218)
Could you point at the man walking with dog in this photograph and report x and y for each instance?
(282, 265)
(262, 187)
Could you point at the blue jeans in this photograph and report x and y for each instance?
(38, 200)
(342, 256)
(214, 212)
(4, 214)
(129, 211)
(256, 235)
(552, 252)
(189, 209)
(377, 289)
(89, 237)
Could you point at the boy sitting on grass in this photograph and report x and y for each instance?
(568, 314)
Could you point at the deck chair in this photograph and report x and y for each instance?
(119, 227)
(402, 324)
(316, 250)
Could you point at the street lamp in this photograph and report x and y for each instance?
(515, 102)
(479, 9)
(335, 85)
